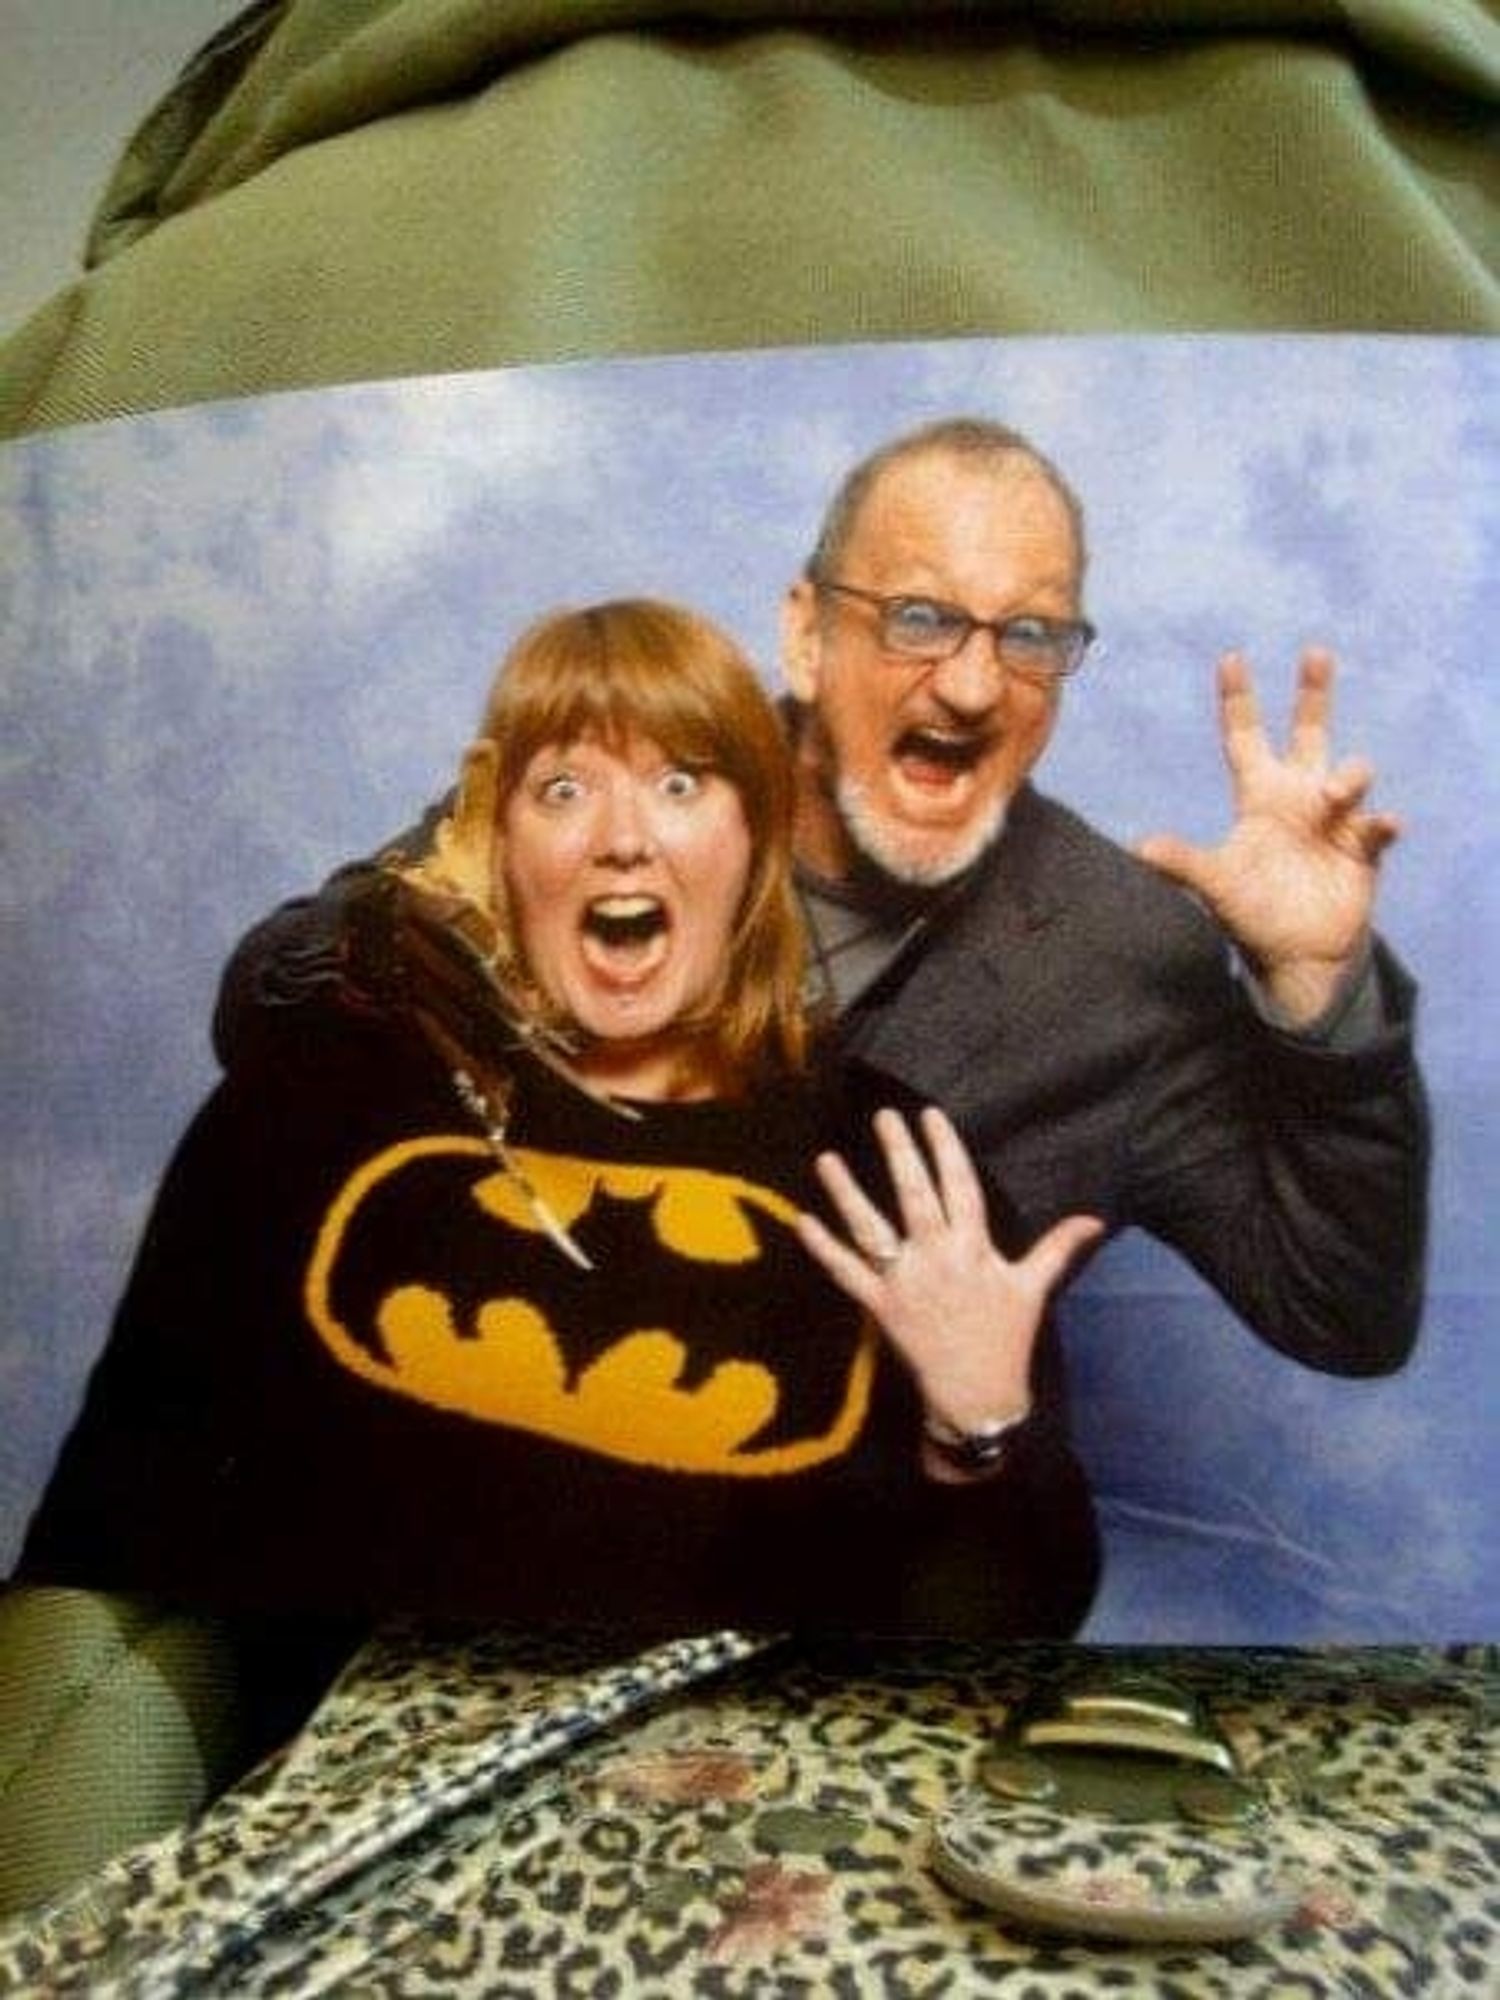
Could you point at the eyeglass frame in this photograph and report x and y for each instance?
(1079, 632)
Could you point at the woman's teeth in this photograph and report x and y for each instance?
(620, 921)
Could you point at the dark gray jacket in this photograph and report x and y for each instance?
(1081, 1020)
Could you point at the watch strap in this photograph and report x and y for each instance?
(980, 1449)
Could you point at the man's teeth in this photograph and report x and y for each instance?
(625, 919)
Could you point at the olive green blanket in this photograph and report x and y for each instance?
(343, 189)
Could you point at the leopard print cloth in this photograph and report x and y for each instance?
(728, 1816)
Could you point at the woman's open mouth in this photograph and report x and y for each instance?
(625, 936)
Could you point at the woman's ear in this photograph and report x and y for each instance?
(801, 640)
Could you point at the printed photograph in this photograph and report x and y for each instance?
(842, 988)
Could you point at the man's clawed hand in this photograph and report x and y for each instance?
(1293, 881)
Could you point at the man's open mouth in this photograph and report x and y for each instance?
(941, 752)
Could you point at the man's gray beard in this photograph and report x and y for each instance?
(884, 845)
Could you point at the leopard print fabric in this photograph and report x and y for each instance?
(732, 1817)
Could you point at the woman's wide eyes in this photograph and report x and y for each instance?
(563, 788)
(560, 789)
(680, 783)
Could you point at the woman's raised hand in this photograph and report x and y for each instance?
(963, 1317)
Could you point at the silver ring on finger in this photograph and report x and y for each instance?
(883, 1256)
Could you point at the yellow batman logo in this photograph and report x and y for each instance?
(433, 1277)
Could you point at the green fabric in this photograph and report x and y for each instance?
(117, 1721)
(343, 189)
(121, 1718)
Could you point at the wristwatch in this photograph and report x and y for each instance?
(978, 1450)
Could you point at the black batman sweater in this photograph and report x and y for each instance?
(362, 1366)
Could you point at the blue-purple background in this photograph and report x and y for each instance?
(246, 641)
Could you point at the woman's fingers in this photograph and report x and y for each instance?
(959, 1185)
(944, 1218)
(916, 1195)
(1053, 1254)
(873, 1236)
(937, 1192)
(848, 1270)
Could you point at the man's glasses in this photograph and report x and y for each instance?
(922, 628)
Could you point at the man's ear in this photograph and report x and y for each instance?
(801, 640)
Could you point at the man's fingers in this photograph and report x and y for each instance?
(1376, 832)
(1243, 726)
(1344, 792)
(1345, 787)
(1311, 708)
(1239, 712)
